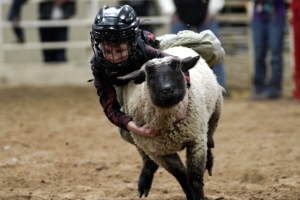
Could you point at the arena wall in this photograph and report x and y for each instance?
(22, 64)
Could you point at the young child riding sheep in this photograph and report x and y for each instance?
(120, 48)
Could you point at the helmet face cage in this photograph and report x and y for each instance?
(114, 37)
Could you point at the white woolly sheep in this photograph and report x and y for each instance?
(157, 101)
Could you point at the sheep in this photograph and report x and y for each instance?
(157, 100)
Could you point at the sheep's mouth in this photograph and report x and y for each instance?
(167, 101)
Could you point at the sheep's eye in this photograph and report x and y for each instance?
(177, 68)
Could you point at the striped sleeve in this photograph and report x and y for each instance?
(108, 100)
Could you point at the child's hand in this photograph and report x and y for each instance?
(144, 130)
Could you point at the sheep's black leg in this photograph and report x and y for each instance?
(212, 125)
(210, 157)
(147, 173)
(209, 162)
(172, 163)
(196, 159)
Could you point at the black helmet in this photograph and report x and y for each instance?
(115, 25)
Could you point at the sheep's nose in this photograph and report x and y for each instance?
(167, 89)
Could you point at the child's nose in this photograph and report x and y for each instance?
(116, 57)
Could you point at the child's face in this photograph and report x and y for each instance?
(115, 53)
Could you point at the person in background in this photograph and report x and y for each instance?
(55, 10)
(268, 27)
(143, 8)
(199, 16)
(14, 15)
(295, 7)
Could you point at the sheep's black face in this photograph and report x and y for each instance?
(166, 82)
(165, 79)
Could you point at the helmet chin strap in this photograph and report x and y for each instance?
(112, 68)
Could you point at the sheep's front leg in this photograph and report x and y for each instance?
(173, 164)
(196, 161)
(147, 173)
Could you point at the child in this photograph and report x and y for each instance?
(119, 48)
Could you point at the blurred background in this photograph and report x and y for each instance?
(56, 142)
(23, 63)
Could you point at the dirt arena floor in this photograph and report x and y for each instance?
(56, 144)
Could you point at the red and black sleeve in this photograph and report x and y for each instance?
(108, 100)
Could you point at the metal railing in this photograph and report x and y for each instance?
(92, 7)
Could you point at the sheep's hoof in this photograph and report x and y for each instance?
(209, 171)
(144, 185)
(146, 192)
(210, 162)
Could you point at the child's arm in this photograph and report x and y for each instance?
(108, 100)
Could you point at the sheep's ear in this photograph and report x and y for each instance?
(189, 62)
(138, 76)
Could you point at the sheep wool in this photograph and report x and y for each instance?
(205, 98)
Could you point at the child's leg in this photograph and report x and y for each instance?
(126, 135)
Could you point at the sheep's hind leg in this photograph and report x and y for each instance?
(212, 125)
(210, 161)
(147, 173)
(173, 164)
